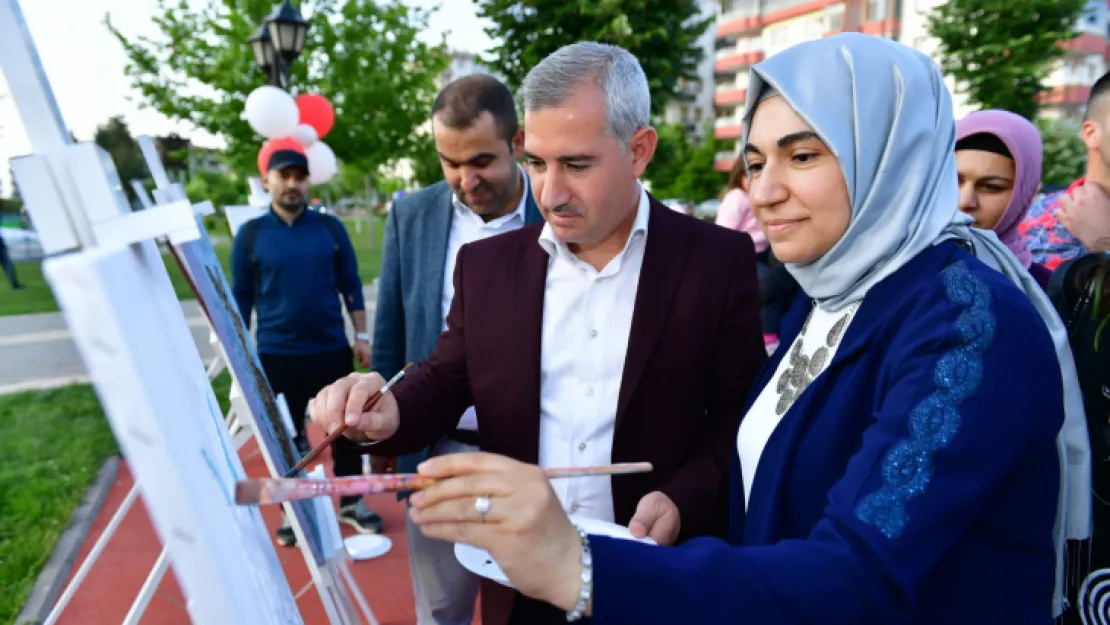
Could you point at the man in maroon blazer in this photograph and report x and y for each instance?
(586, 339)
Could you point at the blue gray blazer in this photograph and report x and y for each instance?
(409, 316)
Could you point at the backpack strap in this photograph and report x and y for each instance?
(336, 230)
(250, 235)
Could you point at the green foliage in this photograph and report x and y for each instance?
(363, 55)
(1065, 156)
(43, 479)
(671, 154)
(115, 137)
(219, 188)
(1000, 51)
(683, 170)
(426, 169)
(662, 34)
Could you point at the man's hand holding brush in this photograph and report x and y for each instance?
(341, 404)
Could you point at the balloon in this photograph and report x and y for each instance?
(321, 163)
(305, 135)
(273, 145)
(317, 112)
(271, 112)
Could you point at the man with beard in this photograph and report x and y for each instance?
(617, 331)
(484, 193)
(293, 266)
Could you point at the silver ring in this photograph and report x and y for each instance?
(481, 506)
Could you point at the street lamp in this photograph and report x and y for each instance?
(279, 41)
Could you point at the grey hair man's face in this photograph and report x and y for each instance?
(583, 178)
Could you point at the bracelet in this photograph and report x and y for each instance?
(363, 336)
(587, 589)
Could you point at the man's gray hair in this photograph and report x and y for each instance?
(613, 69)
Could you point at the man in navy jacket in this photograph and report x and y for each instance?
(293, 266)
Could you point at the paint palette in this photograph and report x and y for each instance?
(479, 561)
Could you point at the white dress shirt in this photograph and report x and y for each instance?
(763, 417)
(587, 316)
(467, 227)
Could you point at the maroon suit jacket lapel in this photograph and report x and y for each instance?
(529, 281)
(665, 257)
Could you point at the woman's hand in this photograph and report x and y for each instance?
(525, 529)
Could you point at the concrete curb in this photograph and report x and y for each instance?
(52, 580)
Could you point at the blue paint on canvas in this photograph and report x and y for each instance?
(215, 296)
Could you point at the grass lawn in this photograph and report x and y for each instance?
(38, 298)
(43, 477)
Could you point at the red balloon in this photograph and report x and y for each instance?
(272, 146)
(317, 112)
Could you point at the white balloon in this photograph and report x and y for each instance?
(272, 112)
(305, 135)
(322, 164)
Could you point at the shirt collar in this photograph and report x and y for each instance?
(552, 245)
(463, 209)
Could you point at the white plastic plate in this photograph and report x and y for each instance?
(367, 546)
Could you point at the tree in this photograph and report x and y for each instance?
(671, 154)
(1000, 51)
(115, 137)
(426, 169)
(699, 180)
(217, 187)
(363, 55)
(662, 34)
(1065, 156)
(683, 170)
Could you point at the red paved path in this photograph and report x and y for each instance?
(112, 585)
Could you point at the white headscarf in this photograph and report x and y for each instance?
(885, 112)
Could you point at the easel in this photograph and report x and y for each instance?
(330, 573)
(111, 284)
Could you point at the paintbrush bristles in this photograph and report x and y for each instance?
(248, 492)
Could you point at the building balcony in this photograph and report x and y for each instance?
(738, 21)
(1086, 44)
(730, 96)
(1065, 94)
(731, 60)
(775, 11)
(727, 129)
(725, 161)
(882, 28)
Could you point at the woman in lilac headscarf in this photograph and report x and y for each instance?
(999, 156)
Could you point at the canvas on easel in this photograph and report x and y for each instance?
(256, 409)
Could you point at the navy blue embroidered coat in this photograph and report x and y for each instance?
(913, 482)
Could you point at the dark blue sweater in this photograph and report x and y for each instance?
(296, 282)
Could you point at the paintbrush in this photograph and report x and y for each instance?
(277, 490)
(331, 438)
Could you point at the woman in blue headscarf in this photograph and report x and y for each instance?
(914, 452)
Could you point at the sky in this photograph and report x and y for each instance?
(85, 65)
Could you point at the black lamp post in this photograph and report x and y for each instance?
(278, 42)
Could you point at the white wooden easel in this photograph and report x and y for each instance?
(110, 281)
(331, 574)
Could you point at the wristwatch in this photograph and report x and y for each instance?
(363, 336)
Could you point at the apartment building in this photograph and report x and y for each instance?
(750, 30)
(693, 105)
